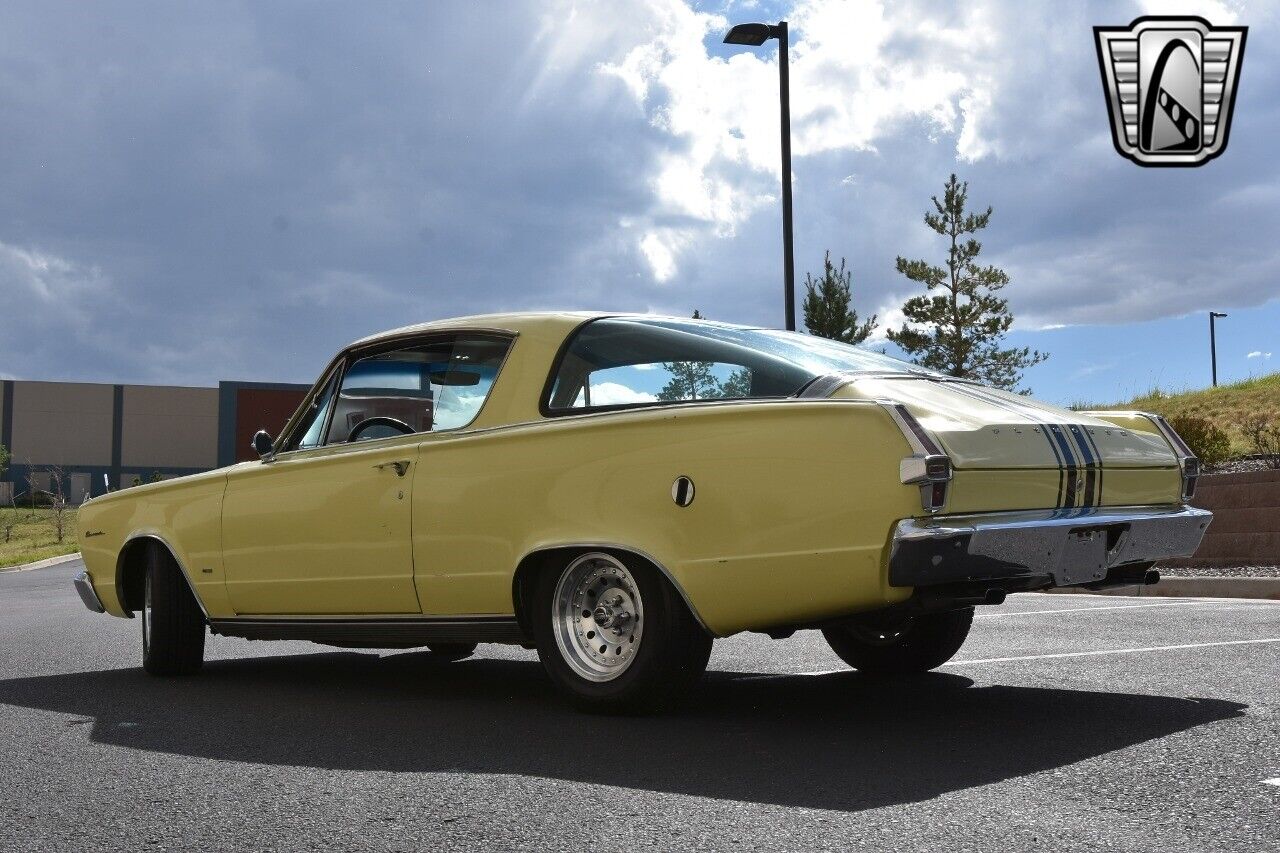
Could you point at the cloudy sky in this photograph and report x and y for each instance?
(194, 192)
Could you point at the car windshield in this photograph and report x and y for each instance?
(622, 361)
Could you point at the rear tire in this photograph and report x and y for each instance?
(885, 646)
(451, 651)
(172, 624)
(615, 636)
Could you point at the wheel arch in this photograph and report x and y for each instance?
(544, 558)
(131, 571)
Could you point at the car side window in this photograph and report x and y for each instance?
(426, 387)
(663, 382)
(311, 429)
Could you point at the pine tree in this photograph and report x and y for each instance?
(958, 326)
(826, 305)
(690, 380)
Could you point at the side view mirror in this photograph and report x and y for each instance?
(264, 445)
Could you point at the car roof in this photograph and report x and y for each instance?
(518, 321)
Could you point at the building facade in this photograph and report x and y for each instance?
(85, 437)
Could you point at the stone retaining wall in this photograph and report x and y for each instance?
(1246, 520)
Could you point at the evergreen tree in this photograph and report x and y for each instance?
(826, 305)
(958, 326)
(690, 380)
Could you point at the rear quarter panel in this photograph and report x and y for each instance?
(794, 505)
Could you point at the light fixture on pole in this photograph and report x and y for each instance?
(754, 35)
(1213, 345)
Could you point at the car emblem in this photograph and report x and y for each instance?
(1171, 85)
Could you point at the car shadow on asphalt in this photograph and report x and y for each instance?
(836, 741)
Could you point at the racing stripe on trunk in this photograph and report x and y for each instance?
(979, 393)
(1073, 471)
(1090, 464)
(1100, 466)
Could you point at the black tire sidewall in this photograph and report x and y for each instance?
(928, 641)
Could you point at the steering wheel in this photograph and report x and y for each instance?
(380, 420)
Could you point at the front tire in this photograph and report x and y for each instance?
(898, 645)
(172, 624)
(615, 636)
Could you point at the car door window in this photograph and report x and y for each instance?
(311, 429)
(426, 387)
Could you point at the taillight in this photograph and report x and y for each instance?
(928, 467)
(1187, 461)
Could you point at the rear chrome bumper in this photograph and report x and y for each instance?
(84, 585)
(1070, 547)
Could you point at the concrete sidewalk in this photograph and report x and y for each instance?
(1198, 587)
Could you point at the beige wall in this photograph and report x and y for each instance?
(61, 423)
(169, 427)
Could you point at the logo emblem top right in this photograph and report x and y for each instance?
(1171, 85)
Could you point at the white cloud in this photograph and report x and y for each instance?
(1259, 354)
(616, 394)
(851, 85)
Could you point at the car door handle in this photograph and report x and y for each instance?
(401, 466)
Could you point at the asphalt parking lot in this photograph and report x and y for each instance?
(1074, 722)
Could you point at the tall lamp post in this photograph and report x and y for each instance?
(1213, 345)
(755, 35)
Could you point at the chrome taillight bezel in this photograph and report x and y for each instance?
(927, 467)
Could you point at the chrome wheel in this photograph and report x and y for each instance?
(597, 616)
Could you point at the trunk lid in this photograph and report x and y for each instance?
(983, 428)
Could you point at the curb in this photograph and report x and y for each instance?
(1176, 587)
(41, 564)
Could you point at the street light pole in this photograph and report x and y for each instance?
(784, 103)
(1213, 345)
(756, 35)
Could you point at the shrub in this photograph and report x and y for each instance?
(1264, 434)
(1206, 440)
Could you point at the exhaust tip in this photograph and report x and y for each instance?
(1151, 577)
(996, 596)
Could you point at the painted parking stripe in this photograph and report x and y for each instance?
(1085, 609)
(1076, 654)
(1113, 652)
(1275, 781)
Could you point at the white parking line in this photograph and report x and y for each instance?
(1275, 781)
(1079, 654)
(1113, 652)
(1086, 609)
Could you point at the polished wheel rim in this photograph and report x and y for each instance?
(146, 612)
(598, 617)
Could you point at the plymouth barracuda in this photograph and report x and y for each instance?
(618, 490)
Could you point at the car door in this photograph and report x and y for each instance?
(325, 527)
(322, 532)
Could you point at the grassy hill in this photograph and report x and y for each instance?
(1226, 405)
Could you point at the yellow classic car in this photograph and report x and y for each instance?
(618, 490)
